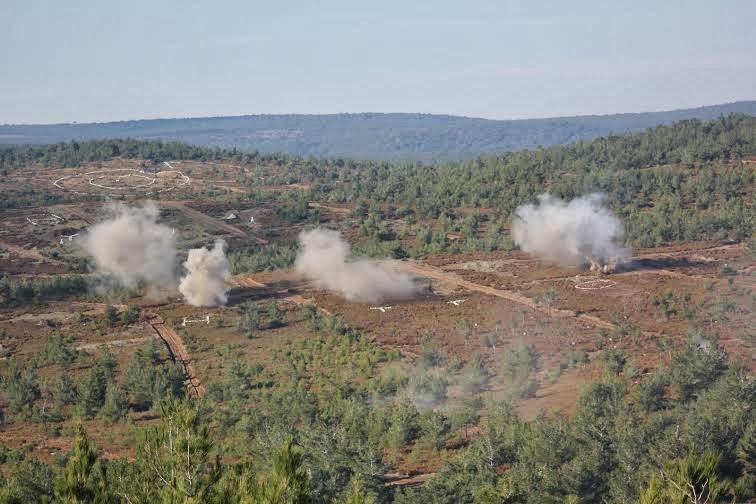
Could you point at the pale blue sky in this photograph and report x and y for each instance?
(97, 60)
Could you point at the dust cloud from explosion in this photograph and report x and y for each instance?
(205, 282)
(130, 247)
(324, 258)
(573, 233)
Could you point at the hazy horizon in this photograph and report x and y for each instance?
(371, 112)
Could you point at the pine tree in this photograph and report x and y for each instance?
(178, 455)
(131, 315)
(692, 479)
(356, 494)
(83, 478)
(288, 482)
(746, 450)
(108, 363)
(22, 387)
(63, 390)
(111, 315)
(116, 404)
(92, 392)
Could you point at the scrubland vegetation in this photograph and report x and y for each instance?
(306, 406)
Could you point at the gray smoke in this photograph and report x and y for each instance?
(131, 247)
(323, 257)
(205, 282)
(573, 233)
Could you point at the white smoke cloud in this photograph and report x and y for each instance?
(131, 247)
(570, 233)
(323, 257)
(205, 282)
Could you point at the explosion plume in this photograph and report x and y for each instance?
(207, 272)
(131, 247)
(323, 258)
(573, 233)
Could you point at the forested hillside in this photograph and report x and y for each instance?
(688, 181)
(369, 135)
(312, 400)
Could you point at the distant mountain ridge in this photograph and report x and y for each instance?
(390, 136)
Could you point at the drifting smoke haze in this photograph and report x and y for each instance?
(323, 258)
(570, 233)
(207, 272)
(131, 247)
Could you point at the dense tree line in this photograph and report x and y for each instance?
(33, 291)
(669, 183)
(68, 154)
(267, 257)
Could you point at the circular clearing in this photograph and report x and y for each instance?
(120, 181)
(595, 284)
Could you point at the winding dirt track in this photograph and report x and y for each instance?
(210, 221)
(438, 274)
(179, 353)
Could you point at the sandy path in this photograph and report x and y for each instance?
(338, 210)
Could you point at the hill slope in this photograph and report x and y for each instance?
(369, 135)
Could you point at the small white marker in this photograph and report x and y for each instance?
(190, 321)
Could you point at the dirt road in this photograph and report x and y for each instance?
(337, 210)
(179, 353)
(210, 221)
(438, 274)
